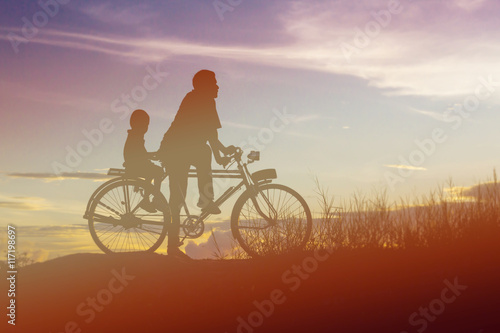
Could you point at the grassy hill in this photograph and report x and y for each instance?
(439, 289)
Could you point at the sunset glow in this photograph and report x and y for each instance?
(364, 95)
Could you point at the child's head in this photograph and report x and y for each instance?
(139, 121)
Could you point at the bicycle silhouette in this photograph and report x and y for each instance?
(267, 218)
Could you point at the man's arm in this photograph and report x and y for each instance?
(218, 148)
(214, 142)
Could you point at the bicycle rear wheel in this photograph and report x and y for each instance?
(118, 224)
(286, 226)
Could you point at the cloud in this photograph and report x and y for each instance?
(62, 176)
(407, 167)
(240, 125)
(420, 43)
(306, 118)
(47, 96)
(61, 206)
(18, 205)
(485, 191)
(208, 249)
(49, 241)
(430, 114)
(303, 135)
(31, 255)
(470, 5)
(54, 230)
(23, 203)
(107, 13)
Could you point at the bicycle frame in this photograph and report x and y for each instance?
(248, 180)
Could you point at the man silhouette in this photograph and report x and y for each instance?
(185, 144)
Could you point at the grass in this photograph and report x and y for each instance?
(445, 217)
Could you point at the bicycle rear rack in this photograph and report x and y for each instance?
(219, 174)
(192, 173)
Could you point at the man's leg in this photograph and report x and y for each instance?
(178, 176)
(150, 171)
(202, 161)
(157, 174)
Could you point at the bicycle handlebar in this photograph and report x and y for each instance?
(252, 157)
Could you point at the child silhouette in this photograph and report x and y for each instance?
(137, 159)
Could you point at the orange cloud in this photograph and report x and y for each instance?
(62, 176)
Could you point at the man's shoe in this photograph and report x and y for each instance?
(211, 208)
(177, 253)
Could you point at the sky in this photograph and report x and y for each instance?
(362, 95)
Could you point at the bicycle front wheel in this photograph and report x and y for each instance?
(283, 224)
(117, 222)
